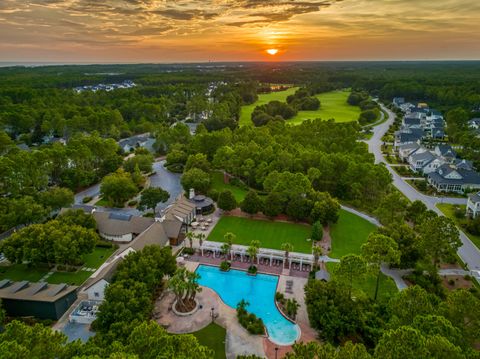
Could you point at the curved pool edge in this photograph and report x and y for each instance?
(267, 336)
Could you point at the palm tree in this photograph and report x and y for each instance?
(287, 247)
(192, 285)
(229, 238)
(178, 286)
(225, 249)
(201, 237)
(190, 236)
(252, 250)
(317, 252)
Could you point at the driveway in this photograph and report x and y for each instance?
(468, 252)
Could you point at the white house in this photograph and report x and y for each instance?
(405, 151)
(433, 165)
(420, 159)
(473, 205)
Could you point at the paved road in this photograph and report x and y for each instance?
(163, 178)
(468, 252)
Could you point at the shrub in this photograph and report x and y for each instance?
(248, 320)
(132, 203)
(279, 297)
(87, 199)
(188, 250)
(252, 269)
(104, 244)
(225, 266)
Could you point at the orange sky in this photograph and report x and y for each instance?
(223, 30)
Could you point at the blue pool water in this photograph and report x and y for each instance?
(259, 291)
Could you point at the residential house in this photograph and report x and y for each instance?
(474, 123)
(39, 300)
(144, 140)
(448, 178)
(404, 151)
(398, 101)
(420, 159)
(433, 165)
(473, 205)
(408, 136)
(463, 164)
(446, 151)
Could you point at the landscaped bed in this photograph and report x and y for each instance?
(348, 234)
(270, 234)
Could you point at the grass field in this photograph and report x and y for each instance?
(333, 105)
(348, 234)
(19, 272)
(449, 211)
(270, 234)
(219, 185)
(246, 111)
(213, 337)
(386, 289)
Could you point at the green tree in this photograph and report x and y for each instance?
(197, 179)
(252, 203)
(440, 239)
(392, 209)
(402, 343)
(143, 161)
(352, 267)
(226, 201)
(151, 197)
(118, 187)
(198, 160)
(325, 209)
(229, 239)
(56, 198)
(317, 251)
(317, 232)
(415, 211)
(377, 250)
(78, 217)
(410, 303)
(273, 204)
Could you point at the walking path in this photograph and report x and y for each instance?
(371, 219)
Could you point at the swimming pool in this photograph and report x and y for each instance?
(259, 291)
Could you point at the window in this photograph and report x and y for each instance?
(96, 294)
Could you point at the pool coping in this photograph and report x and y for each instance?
(274, 301)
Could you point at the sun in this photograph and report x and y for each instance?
(272, 51)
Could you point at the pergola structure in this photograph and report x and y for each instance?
(263, 253)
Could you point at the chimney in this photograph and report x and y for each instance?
(191, 193)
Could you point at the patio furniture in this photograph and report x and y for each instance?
(209, 220)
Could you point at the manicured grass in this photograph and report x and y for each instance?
(333, 105)
(348, 234)
(102, 202)
(270, 234)
(213, 337)
(71, 278)
(386, 289)
(97, 257)
(19, 272)
(449, 211)
(219, 185)
(246, 111)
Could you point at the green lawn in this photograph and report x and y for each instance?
(213, 337)
(97, 257)
(270, 234)
(246, 111)
(333, 105)
(219, 185)
(19, 272)
(386, 289)
(348, 234)
(449, 211)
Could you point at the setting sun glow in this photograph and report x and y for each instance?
(272, 51)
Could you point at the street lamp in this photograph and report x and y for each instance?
(213, 314)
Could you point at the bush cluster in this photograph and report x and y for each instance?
(248, 320)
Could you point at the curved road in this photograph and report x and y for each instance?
(468, 252)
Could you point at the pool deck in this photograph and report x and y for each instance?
(238, 340)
